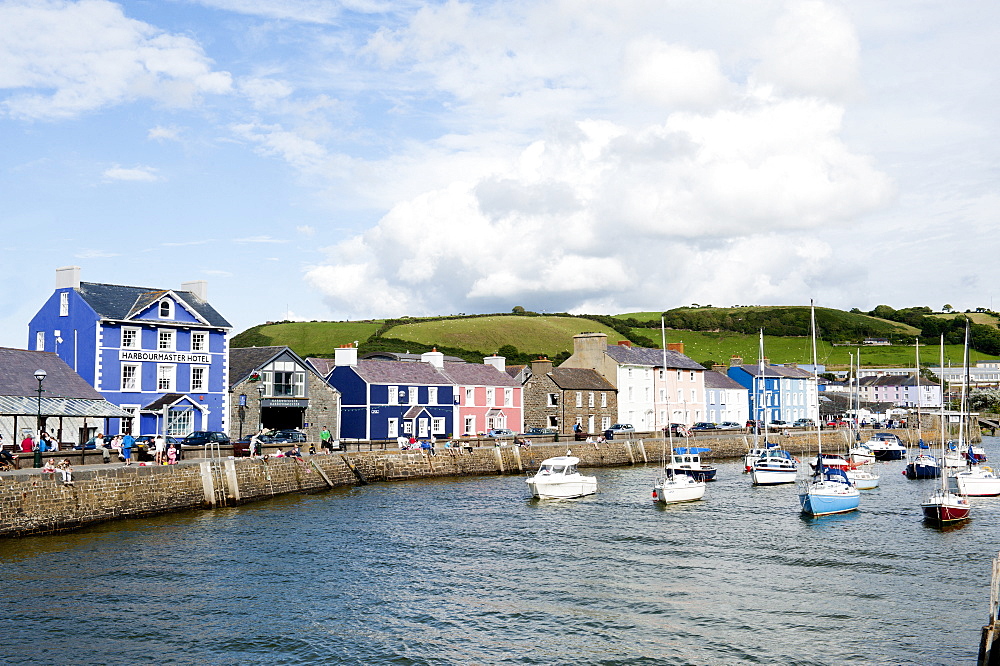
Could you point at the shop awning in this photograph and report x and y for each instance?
(13, 405)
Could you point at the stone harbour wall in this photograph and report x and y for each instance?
(36, 503)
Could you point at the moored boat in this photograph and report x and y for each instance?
(923, 466)
(978, 481)
(863, 477)
(886, 446)
(774, 467)
(558, 478)
(687, 460)
(676, 488)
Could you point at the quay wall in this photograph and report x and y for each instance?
(35, 503)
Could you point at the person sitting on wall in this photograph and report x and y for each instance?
(172, 454)
(294, 452)
(8, 457)
(27, 444)
(65, 471)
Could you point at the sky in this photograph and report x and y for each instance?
(334, 160)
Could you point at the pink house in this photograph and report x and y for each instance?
(487, 397)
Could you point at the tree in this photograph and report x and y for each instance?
(518, 309)
(508, 351)
(946, 308)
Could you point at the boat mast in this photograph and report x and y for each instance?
(812, 331)
(916, 347)
(762, 386)
(944, 465)
(666, 392)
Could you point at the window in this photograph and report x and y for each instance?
(165, 339)
(605, 422)
(579, 398)
(130, 377)
(393, 397)
(508, 397)
(661, 375)
(64, 304)
(491, 397)
(692, 375)
(413, 395)
(553, 400)
(130, 338)
(199, 378)
(166, 309)
(470, 425)
(128, 423)
(678, 375)
(437, 426)
(166, 375)
(470, 395)
(40, 341)
(553, 421)
(604, 399)
(180, 423)
(432, 396)
(288, 384)
(590, 399)
(392, 427)
(199, 341)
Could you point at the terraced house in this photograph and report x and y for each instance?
(159, 354)
(776, 392)
(563, 397)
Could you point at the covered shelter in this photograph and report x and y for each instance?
(37, 388)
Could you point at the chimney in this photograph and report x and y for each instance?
(498, 362)
(68, 277)
(197, 287)
(676, 347)
(541, 366)
(624, 343)
(735, 361)
(718, 367)
(346, 355)
(434, 357)
(765, 361)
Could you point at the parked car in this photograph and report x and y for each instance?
(779, 422)
(678, 430)
(705, 425)
(203, 437)
(540, 431)
(622, 427)
(288, 435)
(500, 432)
(805, 423)
(730, 425)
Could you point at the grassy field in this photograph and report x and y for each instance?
(719, 347)
(977, 317)
(655, 316)
(544, 335)
(318, 338)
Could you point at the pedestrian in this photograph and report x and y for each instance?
(172, 454)
(159, 449)
(324, 438)
(27, 444)
(127, 443)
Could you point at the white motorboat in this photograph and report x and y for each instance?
(978, 481)
(558, 478)
(775, 467)
(863, 477)
(675, 488)
(886, 446)
(861, 455)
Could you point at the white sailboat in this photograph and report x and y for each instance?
(828, 491)
(670, 487)
(768, 464)
(943, 506)
(861, 459)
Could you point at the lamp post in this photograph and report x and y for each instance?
(40, 376)
(260, 405)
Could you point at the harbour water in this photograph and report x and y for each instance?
(470, 571)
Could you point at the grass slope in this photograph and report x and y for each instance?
(545, 335)
(313, 338)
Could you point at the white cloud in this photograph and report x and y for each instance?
(160, 133)
(258, 239)
(136, 174)
(672, 76)
(306, 230)
(59, 59)
(308, 11)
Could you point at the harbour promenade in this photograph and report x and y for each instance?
(36, 502)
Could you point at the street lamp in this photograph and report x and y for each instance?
(40, 376)
(260, 405)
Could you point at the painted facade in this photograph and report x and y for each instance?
(159, 354)
(725, 399)
(486, 397)
(777, 392)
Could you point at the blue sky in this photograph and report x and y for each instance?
(344, 160)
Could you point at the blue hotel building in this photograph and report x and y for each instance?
(159, 354)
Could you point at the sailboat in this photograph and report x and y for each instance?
(943, 506)
(772, 465)
(828, 491)
(976, 480)
(670, 487)
(923, 465)
(861, 466)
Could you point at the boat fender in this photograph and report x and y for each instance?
(987, 468)
(796, 459)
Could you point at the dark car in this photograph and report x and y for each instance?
(203, 437)
(779, 422)
(286, 436)
(540, 431)
(705, 425)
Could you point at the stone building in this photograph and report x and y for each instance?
(561, 397)
(276, 388)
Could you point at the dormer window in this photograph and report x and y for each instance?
(166, 309)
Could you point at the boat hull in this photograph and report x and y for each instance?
(772, 476)
(919, 471)
(949, 509)
(825, 498)
(698, 473)
(582, 487)
(677, 490)
(975, 483)
(863, 480)
(889, 454)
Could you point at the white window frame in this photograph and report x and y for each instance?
(605, 422)
(604, 398)
(199, 341)
(432, 395)
(64, 304)
(508, 397)
(553, 400)
(168, 334)
(413, 395)
(470, 424)
(392, 397)
(169, 308)
(203, 386)
(437, 425)
(134, 411)
(40, 341)
(470, 396)
(136, 341)
(136, 377)
(180, 422)
(590, 399)
(392, 428)
(579, 398)
(490, 397)
(166, 378)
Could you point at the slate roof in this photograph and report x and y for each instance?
(64, 393)
(651, 357)
(401, 356)
(322, 365)
(717, 380)
(113, 301)
(165, 401)
(399, 372)
(896, 380)
(476, 374)
(778, 371)
(580, 379)
(244, 360)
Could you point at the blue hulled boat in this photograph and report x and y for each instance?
(828, 492)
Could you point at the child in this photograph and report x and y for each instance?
(172, 454)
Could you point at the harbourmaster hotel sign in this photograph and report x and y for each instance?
(163, 357)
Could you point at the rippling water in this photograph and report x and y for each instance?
(470, 571)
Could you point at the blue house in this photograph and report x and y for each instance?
(388, 399)
(159, 354)
(776, 392)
